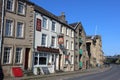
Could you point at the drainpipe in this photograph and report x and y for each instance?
(2, 24)
(34, 39)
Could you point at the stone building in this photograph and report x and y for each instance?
(94, 48)
(67, 48)
(17, 35)
(81, 59)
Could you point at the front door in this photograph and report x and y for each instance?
(27, 51)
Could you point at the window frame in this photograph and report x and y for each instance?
(38, 56)
(9, 32)
(54, 42)
(67, 44)
(53, 26)
(21, 34)
(45, 41)
(67, 31)
(18, 58)
(44, 23)
(11, 9)
(23, 5)
(8, 54)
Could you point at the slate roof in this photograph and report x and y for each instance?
(50, 15)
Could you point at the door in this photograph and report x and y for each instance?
(27, 51)
(60, 61)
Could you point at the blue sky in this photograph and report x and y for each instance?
(105, 14)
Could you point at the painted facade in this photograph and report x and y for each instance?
(46, 49)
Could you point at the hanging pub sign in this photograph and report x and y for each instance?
(60, 40)
(38, 25)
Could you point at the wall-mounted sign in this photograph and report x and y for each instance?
(38, 25)
(60, 40)
(46, 49)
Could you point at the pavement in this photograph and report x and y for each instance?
(82, 72)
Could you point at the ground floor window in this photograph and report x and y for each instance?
(44, 59)
(40, 58)
(7, 53)
(18, 56)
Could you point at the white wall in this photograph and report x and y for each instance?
(48, 32)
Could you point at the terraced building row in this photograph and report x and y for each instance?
(34, 39)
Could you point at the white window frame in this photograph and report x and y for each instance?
(21, 28)
(44, 23)
(72, 45)
(72, 59)
(67, 44)
(7, 55)
(9, 28)
(18, 55)
(72, 33)
(45, 41)
(38, 55)
(53, 27)
(11, 6)
(67, 31)
(54, 42)
(22, 6)
(62, 29)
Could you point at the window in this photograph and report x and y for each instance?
(9, 28)
(72, 59)
(7, 52)
(21, 8)
(53, 26)
(72, 46)
(44, 39)
(62, 29)
(38, 24)
(20, 29)
(66, 44)
(40, 59)
(10, 5)
(67, 31)
(53, 41)
(44, 23)
(72, 33)
(18, 55)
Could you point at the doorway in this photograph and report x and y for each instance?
(27, 51)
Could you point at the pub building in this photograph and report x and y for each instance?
(46, 48)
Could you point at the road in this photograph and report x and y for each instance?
(112, 74)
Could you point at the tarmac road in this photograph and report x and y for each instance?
(112, 74)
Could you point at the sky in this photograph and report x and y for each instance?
(101, 17)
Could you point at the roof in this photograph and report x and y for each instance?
(50, 15)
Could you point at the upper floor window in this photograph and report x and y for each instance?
(18, 56)
(44, 40)
(67, 44)
(9, 28)
(53, 41)
(72, 33)
(67, 31)
(53, 26)
(72, 46)
(44, 23)
(21, 8)
(20, 30)
(10, 5)
(6, 57)
(62, 29)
